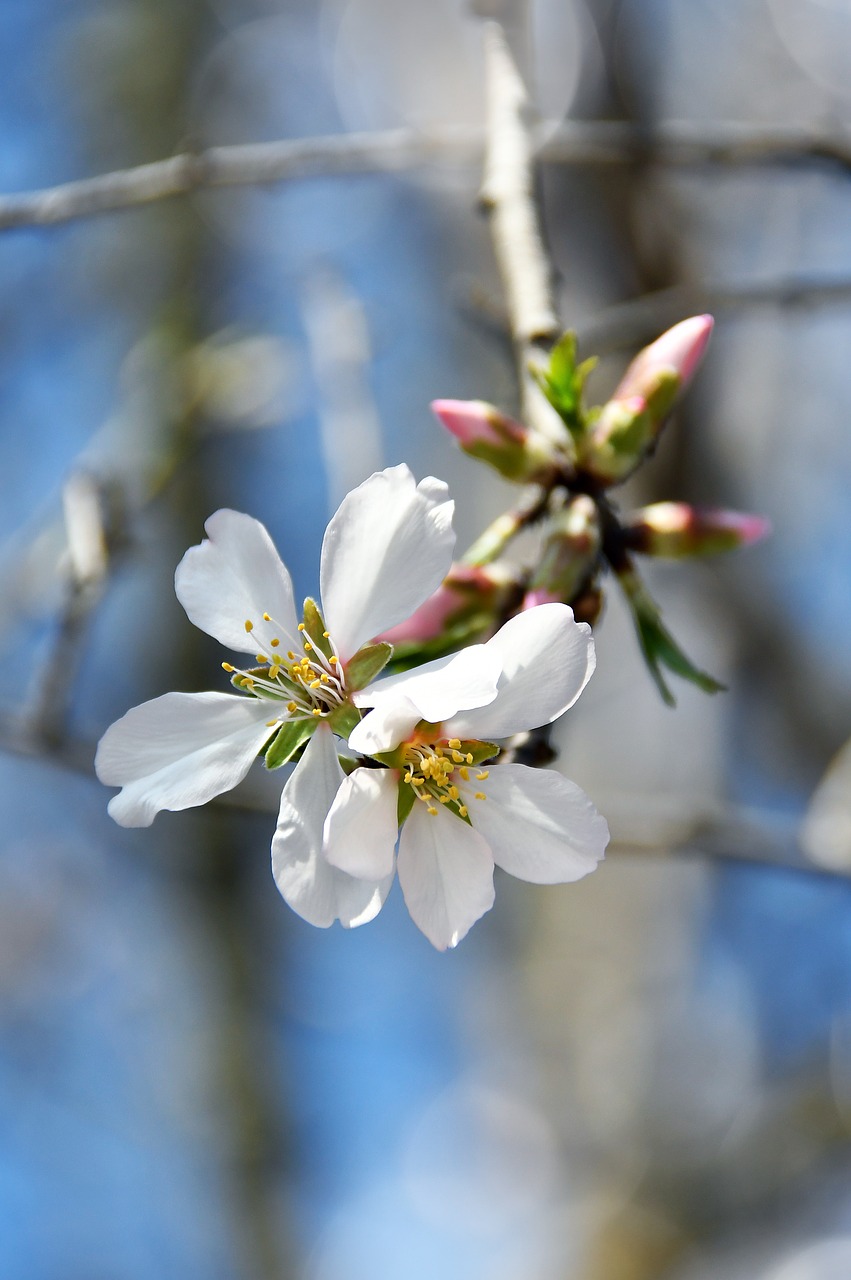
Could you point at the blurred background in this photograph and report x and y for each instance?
(646, 1075)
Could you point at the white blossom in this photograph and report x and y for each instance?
(387, 548)
(459, 819)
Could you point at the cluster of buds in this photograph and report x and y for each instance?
(583, 533)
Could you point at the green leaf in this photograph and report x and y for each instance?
(343, 719)
(405, 801)
(314, 626)
(287, 741)
(366, 664)
(562, 382)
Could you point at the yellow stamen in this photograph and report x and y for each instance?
(443, 799)
(455, 742)
(326, 635)
(464, 772)
(314, 684)
(301, 626)
(308, 645)
(469, 757)
(292, 706)
(261, 658)
(457, 757)
(249, 625)
(462, 809)
(482, 775)
(226, 666)
(454, 792)
(431, 809)
(325, 679)
(274, 643)
(267, 617)
(480, 795)
(270, 724)
(290, 654)
(316, 711)
(333, 659)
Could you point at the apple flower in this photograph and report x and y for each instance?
(459, 819)
(386, 550)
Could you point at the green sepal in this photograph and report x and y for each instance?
(314, 627)
(343, 719)
(480, 751)
(366, 664)
(241, 682)
(286, 742)
(563, 380)
(405, 801)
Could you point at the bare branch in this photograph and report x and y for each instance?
(602, 142)
(630, 324)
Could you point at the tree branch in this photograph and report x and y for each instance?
(598, 142)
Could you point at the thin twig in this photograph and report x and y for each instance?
(86, 576)
(598, 142)
(631, 324)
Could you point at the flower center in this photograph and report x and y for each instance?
(439, 774)
(312, 683)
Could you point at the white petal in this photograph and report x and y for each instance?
(539, 826)
(236, 575)
(316, 891)
(361, 828)
(388, 547)
(431, 692)
(392, 722)
(179, 751)
(547, 660)
(446, 874)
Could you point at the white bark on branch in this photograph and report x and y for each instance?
(679, 143)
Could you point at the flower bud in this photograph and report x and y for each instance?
(483, 432)
(569, 555)
(630, 423)
(675, 529)
(468, 604)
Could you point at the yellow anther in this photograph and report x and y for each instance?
(274, 643)
(316, 711)
(314, 684)
(325, 679)
(465, 773)
(301, 626)
(267, 617)
(249, 625)
(248, 683)
(226, 666)
(333, 659)
(469, 757)
(261, 658)
(455, 742)
(271, 723)
(326, 635)
(462, 809)
(417, 781)
(431, 809)
(308, 645)
(292, 706)
(457, 757)
(290, 654)
(454, 792)
(408, 776)
(483, 774)
(443, 799)
(480, 795)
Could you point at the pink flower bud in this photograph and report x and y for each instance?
(680, 349)
(485, 433)
(475, 422)
(675, 529)
(470, 597)
(630, 423)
